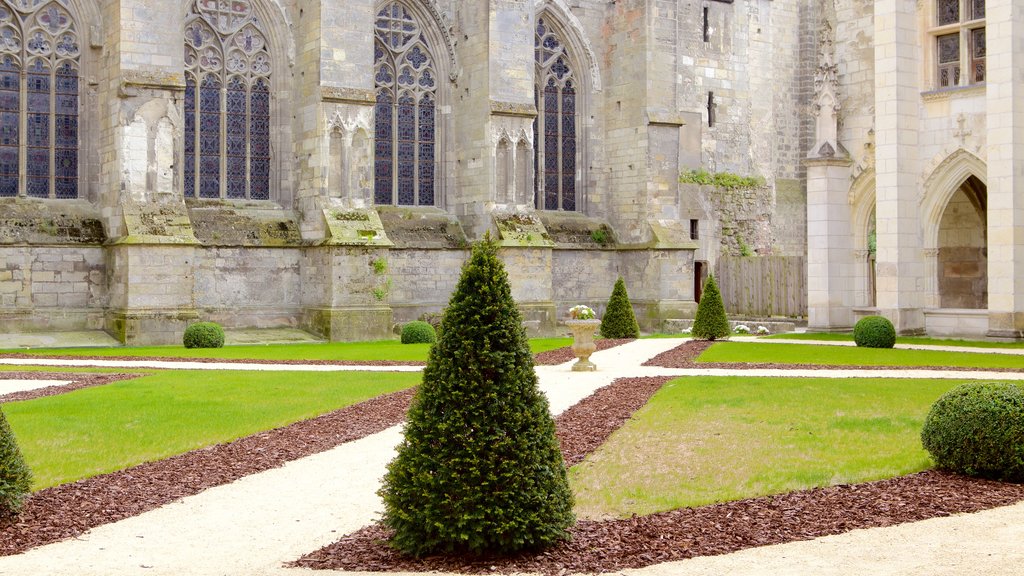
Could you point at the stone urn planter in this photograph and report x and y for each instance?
(583, 343)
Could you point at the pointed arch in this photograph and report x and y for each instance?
(44, 54)
(567, 76)
(941, 185)
(410, 94)
(235, 132)
(862, 207)
(574, 35)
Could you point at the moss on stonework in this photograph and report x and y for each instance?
(31, 223)
(225, 226)
(521, 229)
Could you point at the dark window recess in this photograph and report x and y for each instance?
(694, 229)
(707, 29)
(711, 109)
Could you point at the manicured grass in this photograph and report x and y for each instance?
(851, 356)
(107, 428)
(380, 350)
(702, 440)
(848, 337)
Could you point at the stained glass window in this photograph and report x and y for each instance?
(405, 154)
(959, 54)
(555, 127)
(227, 102)
(39, 85)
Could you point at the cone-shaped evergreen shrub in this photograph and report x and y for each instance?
(619, 321)
(711, 322)
(15, 476)
(479, 469)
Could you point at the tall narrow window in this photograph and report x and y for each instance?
(227, 102)
(959, 36)
(39, 73)
(555, 126)
(405, 153)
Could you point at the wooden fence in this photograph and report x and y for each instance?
(763, 286)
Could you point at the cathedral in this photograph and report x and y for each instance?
(325, 164)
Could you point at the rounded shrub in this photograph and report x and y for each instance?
(874, 332)
(15, 476)
(978, 429)
(619, 320)
(418, 332)
(478, 470)
(711, 322)
(204, 335)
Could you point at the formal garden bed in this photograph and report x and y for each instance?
(69, 510)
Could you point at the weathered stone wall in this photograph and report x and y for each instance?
(52, 288)
(963, 258)
(248, 287)
(422, 281)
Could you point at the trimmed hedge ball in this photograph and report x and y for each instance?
(874, 332)
(418, 332)
(978, 429)
(204, 335)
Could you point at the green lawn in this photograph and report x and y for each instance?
(107, 428)
(848, 337)
(380, 350)
(702, 440)
(852, 356)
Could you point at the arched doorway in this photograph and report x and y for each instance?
(962, 258)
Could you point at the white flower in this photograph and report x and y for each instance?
(582, 312)
(687, 330)
(763, 330)
(741, 329)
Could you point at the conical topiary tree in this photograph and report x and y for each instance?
(619, 321)
(479, 469)
(711, 322)
(15, 476)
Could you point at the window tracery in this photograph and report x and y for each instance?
(959, 34)
(39, 99)
(555, 126)
(227, 102)
(405, 152)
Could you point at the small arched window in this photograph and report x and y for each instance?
(39, 102)
(555, 126)
(406, 111)
(227, 102)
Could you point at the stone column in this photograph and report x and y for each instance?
(1005, 104)
(831, 272)
(346, 285)
(900, 266)
(152, 249)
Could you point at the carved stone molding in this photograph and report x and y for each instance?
(500, 108)
(351, 122)
(134, 80)
(339, 95)
(826, 105)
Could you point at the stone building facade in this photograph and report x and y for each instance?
(323, 164)
(915, 194)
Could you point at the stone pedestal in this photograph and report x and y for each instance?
(583, 343)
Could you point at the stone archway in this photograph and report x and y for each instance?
(962, 248)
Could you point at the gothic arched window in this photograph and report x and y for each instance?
(406, 111)
(227, 102)
(555, 126)
(39, 83)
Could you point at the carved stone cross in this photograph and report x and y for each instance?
(961, 132)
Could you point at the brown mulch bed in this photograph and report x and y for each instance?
(607, 546)
(562, 355)
(69, 510)
(78, 381)
(685, 355)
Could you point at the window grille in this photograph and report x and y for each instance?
(959, 34)
(39, 100)
(227, 102)
(555, 127)
(405, 149)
